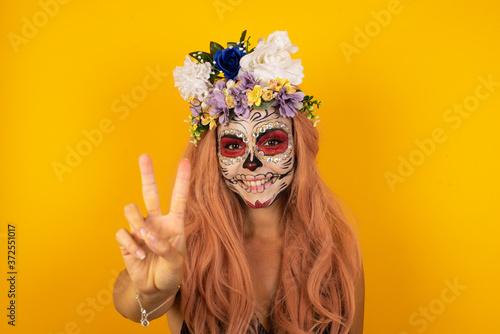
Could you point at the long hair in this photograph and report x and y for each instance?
(321, 256)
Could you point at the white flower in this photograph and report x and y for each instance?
(192, 79)
(272, 59)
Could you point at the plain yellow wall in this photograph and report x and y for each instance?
(420, 175)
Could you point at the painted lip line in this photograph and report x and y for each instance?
(259, 205)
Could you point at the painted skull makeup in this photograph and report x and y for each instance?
(256, 156)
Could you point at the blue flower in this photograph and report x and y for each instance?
(228, 61)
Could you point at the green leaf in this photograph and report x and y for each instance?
(243, 34)
(214, 47)
(199, 56)
(264, 105)
(234, 45)
(248, 45)
(213, 76)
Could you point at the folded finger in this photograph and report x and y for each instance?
(134, 217)
(164, 249)
(128, 244)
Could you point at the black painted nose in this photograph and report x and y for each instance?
(252, 164)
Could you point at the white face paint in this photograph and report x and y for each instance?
(256, 156)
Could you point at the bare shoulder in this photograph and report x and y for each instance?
(359, 294)
(175, 318)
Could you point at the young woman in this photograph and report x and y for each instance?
(255, 242)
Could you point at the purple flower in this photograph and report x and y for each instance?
(248, 81)
(289, 104)
(224, 118)
(195, 110)
(220, 84)
(228, 61)
(240, 101)
(241, 104)
(217, 101)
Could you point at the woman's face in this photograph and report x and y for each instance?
(256, 156)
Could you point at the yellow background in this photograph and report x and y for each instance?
(440, 225)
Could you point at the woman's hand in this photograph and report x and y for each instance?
(154, 248)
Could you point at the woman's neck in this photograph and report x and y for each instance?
(264, 224)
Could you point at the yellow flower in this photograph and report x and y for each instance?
(249, 97)
(279, 84)
(290, 89)
(255, 96)
(284, 83)
(267, 95)
(271, 84)
(229, 101)
(209, 119)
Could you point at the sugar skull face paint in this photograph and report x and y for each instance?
(256, 156)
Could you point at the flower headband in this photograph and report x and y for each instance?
(236, 80)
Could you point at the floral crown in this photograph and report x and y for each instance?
(236, 80)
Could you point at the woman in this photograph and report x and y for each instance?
(255, 241)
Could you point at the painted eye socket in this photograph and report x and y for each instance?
(273, 142)
(232, 147)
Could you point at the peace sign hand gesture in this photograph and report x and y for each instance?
(154, 248)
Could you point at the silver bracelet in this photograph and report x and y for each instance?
(144, 315)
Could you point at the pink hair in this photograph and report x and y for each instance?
(321, 256)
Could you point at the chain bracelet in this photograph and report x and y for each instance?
(144, 315)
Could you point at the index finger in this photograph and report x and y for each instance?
(149, 187)
(181, 188)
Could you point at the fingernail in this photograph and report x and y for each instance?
(143, 232)
(153, 239)
(140, 254)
